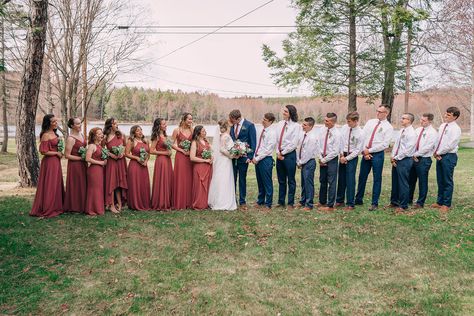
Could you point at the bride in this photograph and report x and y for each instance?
(222, 188)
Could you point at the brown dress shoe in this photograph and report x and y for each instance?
(417, 206)
(307, 209)
(391, 206)
(399, 211)
(339, 205)
(444, 209)
(435, 205)
(243, 207)
(290, 207)
(349, 208)
(326, 209)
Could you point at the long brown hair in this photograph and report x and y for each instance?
(92, 135)
(156, 130)
(133, 129)
(108, 128)
(184, 118)
(47, 124)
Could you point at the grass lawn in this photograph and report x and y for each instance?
(213, 262)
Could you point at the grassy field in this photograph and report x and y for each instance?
(189, 262)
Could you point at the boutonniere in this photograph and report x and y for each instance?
(424, 135)
(243, 128)
(446, 131)
(380, 130)
(286, 128)
(353, 138)
(329, 135)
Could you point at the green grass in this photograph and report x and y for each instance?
(213, 262)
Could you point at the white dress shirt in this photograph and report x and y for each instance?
(405, 144)
(290, 136)
(333, 146)
(427, 143)
(450, 141)
(268, 143)
(308, 147)
(353, 145)
(382, 136)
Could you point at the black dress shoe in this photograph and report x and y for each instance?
(373, 208)
(359, 203)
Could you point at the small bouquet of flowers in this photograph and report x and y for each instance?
(169, 143)
(207, 154)
(240, 149)
(61, 145)
(185, 144)
(143, 154)
(105, 153)
(118, 150)
(82, 151)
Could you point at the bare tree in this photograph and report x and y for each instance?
(27, 154)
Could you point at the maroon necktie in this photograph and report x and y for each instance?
(399, 141)
(281, 136)
(349, 142)
(301, 148)
(236, 132)
(259, 142)
(369, 145)
(441, 138)
(419, 138)
(325, 143)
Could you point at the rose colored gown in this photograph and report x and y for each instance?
(95, 186)
(115, 173)
(183, 173)
(76, 181)
(202, 175)
(50, 191)
(138, 181)
(162, 196)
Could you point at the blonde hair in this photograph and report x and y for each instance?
(223, 125)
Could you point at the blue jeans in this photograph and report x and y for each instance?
(286, 170)
(328, 182)
(264, 169)
(346, 182)
(365, 166)
(419, 172)
(400, 188)
(307, 183)
(445, 178)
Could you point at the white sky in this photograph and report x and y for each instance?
(232, 56)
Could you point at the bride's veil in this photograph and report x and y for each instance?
(216, 141)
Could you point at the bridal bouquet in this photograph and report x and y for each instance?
(143, 154)
(185, 144)
(82, 151)
(169, 143)
(105, 153)
(61, 145)
(240, 149)
(118, 150)
(206, 154)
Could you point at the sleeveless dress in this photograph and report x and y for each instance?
(183, 173)
(95, 186)
(162, 196)
(50, 191)
(76, 181)
(202, 175)
(115, 173)
(138, 181)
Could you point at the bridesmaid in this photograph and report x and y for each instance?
(161, 198)
(50, 191)
(138, 179)
(183, 168)
(95, 173)
(76, 179)
(202, 168)
(116, 168)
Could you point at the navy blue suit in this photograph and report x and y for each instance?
(248, 134)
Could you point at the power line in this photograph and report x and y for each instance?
(216, 30)
(126, 27)
(218, 33)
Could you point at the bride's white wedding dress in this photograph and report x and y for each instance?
(222, 190)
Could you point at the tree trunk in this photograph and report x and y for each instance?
(27, 154)
(407, 72)
(3, 89)
(352, 106)
(472, 92)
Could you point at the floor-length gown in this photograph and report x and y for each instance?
(115, 173)
(95, 204)
(162, 193)
(50, 191)
(222, 187)
(183, 173)
(138, 181)
(202, 175)
(76, 181)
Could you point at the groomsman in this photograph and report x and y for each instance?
(307, 151)
(263, 160)
(446, 157)
(288, 132)
(244, 131)
(329, 148)
(352, 141)
(377, 136)
(426, 137)
(402, 161)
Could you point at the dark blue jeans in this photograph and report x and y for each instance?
(328, 183)
(400, 187)
(264, 169)
(346, 182)
(240, 172)
(286, 170)
(307, 183)
(419, 172)
(365, 166)
(445, 178)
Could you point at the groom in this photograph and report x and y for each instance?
(244, 131)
